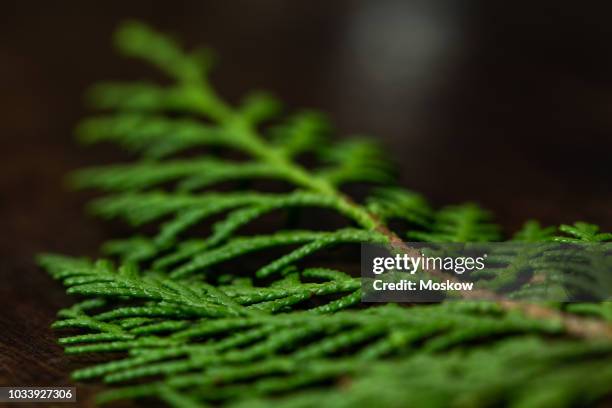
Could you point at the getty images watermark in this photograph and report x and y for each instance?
(424, 272)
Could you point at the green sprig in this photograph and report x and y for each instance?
(201, 321)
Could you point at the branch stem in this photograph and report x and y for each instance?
(214, 107)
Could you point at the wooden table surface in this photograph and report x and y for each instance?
(518, 120)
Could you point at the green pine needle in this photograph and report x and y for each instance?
(232, 317)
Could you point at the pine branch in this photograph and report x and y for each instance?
(196, 333)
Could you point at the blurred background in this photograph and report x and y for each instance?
(505, 103)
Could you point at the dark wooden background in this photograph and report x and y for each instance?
(505, 103)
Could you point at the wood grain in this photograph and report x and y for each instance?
(520, 123)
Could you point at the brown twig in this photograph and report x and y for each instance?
(576, 326)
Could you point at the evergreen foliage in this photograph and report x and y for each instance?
(200, 320)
